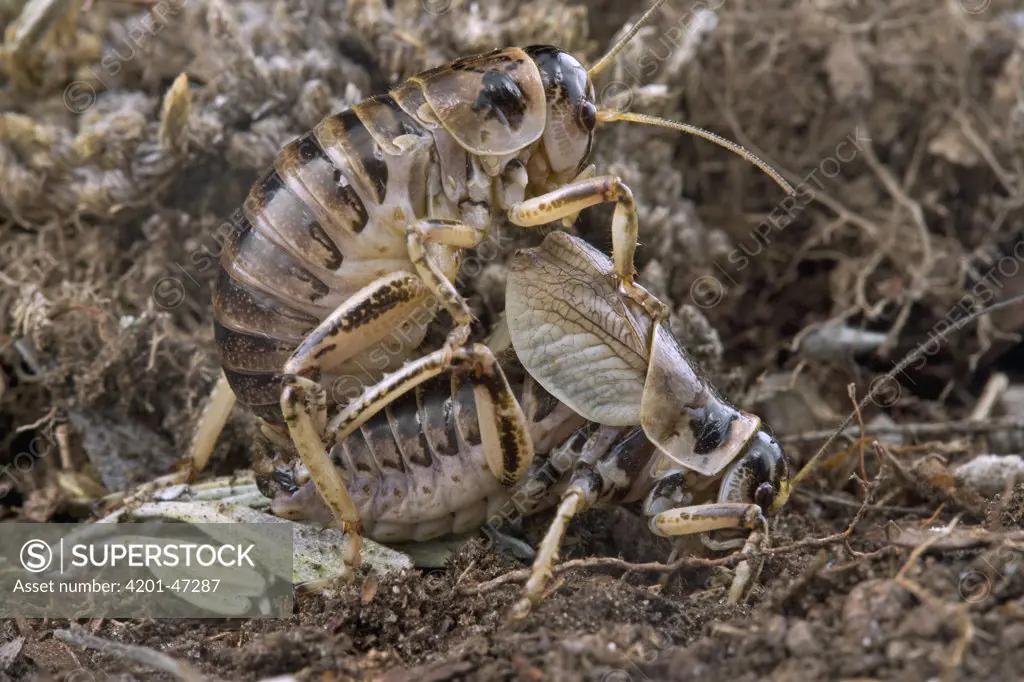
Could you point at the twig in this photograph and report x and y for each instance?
(523, 574)
(816, 567)
(37, 18)
(923, 547)
(935, 514)
(963, 620)
(48, 417)
(1007, 179)
(916, 430)
(844, 214)
(851, 390)
(694, 562)
(64, 445)
(462, 575)
(139, 654)
(994, 388)
(899, 195)
(153, 345)
(888, 550)
(891, 375)
(963, 539)
(853, 504)
(952, 663)
(737, 557)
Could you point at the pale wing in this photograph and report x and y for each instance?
(584, 341)
(572, 331)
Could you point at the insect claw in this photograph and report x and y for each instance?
(521, 609)
(552, 589)
(353, 553)
(457, 338)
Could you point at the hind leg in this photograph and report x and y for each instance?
(211, 422)
(580, 454)
(506, 439)
(380, 310)
(368, 317)
(304, 405)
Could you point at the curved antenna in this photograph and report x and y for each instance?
(604, 61)
(607, 116)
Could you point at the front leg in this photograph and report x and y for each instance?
(703, 518)
(452, 234)
(587, 173)
(580, 194)
(580, 452)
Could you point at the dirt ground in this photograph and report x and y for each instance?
(900, 123)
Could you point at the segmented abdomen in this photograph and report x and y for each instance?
(310, 235)
(417, 470)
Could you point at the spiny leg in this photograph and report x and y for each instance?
(582, 493)
(587, 173)
(575, 499)
(448, 233)
(299, 399)
(380, 307)
(572, 198)
(211, 422)
(756, 542)
(503, 429)
(702, 518)
(365, 318)
(537, 488)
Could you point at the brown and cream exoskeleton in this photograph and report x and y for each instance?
(422, 467)
(353, 240)
(708, 466)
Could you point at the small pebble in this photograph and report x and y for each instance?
(989, 474)
(800, 640)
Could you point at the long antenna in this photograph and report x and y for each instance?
(604, 61)
(603, 115)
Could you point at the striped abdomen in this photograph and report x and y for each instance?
(417, 470)
(317, 227)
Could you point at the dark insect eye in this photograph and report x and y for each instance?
(588, 115)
